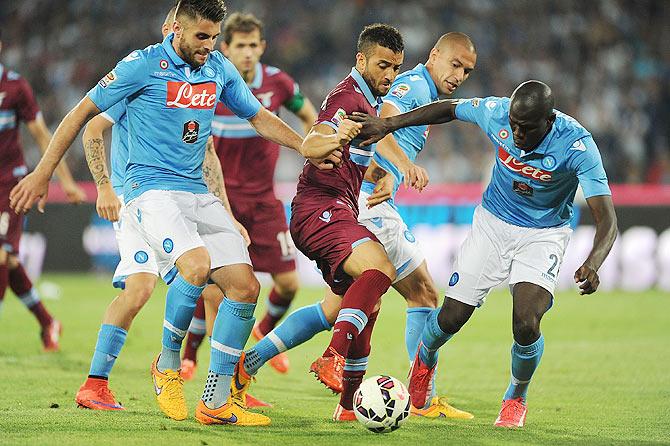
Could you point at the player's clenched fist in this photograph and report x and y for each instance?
(587, 278)
(108, 205)
(347, 130)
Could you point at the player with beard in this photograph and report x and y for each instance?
(324, 219)
(171, 90)
(249, 162)
(17, 104)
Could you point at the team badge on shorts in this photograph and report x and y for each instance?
(141, 257)
(190, 134)
(326, 216)
(168, 245)
(454, 279)
(409, 237)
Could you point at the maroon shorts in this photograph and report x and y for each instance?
(327, 234)
(11, 224)
(271, 250)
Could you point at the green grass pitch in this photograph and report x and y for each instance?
(604, 377)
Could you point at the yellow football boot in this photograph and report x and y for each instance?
(169, 389)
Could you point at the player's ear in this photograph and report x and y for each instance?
(264, 44)
(361, 61)
(224, 48)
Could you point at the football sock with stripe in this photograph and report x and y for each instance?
(179, 306)
(196, 331)
(357, 304)
(277, 306)
(298, 327)
(110, 341)
(232, 328)
(525, 359)
(21, 285)
(432, 338)
(356, 364)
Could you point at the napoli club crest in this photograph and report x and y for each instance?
(549, 162)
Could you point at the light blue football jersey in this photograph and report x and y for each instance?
(170, 107)
(411, 90)
(116, 114)
(536, 189)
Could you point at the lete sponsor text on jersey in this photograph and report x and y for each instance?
(185, 95)
(522, 168)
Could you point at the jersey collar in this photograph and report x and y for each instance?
(172, 54)
(431, 84)
(258, 77)
(372, 99)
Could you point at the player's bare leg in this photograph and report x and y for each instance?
(94, 393)
(221, 402)
(421, 294)
(285, 286)
(183, 292)
(22, 286)
(530, 303)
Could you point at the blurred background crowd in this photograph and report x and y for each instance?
(606, 60)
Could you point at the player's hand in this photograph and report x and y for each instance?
(347, 130)
(330, 162)
(374, 128)
(74, 193)
(382, 192)
(32, 188)
(416, 177)
(108, 205)
(243, 231)
(587, 278)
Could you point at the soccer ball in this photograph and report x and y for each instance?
(382, 404)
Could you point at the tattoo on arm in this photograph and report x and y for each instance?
(212, 173)
(378, 173)
(95, 156)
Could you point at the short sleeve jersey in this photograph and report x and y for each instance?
(170, 106)
(411, 90)
(17, 104)
(352, 94)
(536, 189)
(248, 159)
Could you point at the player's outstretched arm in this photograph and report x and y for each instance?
(388, 148)
(374, 128)
(35, 186)
(107, 204)
(271, 127)
(604, 216)
(40, 132)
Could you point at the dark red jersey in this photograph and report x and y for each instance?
(17, 103)
(344, 182)
(248, 160)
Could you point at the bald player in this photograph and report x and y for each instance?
(520, 231)
(449, 64)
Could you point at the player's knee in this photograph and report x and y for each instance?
(387, 269)
(196, 271)
(526, 330)
(246, 290)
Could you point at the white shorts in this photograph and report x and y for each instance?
(171, 223)
(495, 251)
(385, 223)
(136, 254)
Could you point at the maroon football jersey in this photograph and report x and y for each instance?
(343, 182)
(249, 160)
(17, 103)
